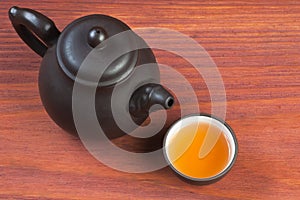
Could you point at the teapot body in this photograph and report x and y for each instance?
(56, 94)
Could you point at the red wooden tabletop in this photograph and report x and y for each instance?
(256, 46)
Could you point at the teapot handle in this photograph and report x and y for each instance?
(36, 30)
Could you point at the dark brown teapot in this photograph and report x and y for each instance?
(64, 52)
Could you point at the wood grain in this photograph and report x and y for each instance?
(256, 46)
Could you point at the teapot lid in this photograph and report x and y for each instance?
(81, 36)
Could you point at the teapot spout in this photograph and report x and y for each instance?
(147, 96)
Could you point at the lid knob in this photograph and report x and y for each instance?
(96, 36)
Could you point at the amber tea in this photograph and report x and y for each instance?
(199, 147)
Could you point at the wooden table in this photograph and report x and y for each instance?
(256, 46)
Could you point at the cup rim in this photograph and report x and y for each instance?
(208, 179)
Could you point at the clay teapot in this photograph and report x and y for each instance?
(64, 52)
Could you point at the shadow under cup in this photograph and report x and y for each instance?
(201, 149)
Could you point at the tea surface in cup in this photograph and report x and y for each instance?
(187, 140)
